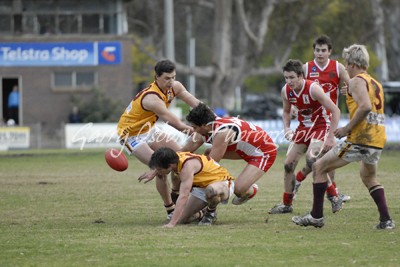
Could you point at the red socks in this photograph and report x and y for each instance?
(300, 176)
(287, 199)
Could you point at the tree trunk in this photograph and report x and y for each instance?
(218, 97)
(380, 45)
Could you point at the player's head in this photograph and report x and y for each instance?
(162, 158)
(165, 74)
(294, 65)
(323, 40)
(357, 55)
(164, 66)
(201, 115)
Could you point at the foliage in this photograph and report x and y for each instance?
(76, 211)
(143, 64)
(98, 107)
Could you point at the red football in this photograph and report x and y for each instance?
(116, 159)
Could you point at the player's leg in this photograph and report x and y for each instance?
(215, 193)
(313, 153)
(292, 158)
(377, 192)
(194, 208)
(321, 167)
(245, 184)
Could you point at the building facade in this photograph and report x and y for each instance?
(55, 49)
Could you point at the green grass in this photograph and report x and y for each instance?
(68, 208)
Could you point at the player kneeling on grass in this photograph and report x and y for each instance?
(204, 183)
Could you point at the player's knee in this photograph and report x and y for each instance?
(317, 168)
(210, 192)
(240, 191)
(289, 167)
(310, 162)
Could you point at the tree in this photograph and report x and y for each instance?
(237, 39)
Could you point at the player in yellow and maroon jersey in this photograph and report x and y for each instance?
(366, 138)
(204, 183)
(329, 74)
(136, 127)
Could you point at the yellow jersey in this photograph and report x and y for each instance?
(136, 119)
(371, 131)
(210, 172)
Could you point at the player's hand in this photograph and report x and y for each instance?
(328, 144)
(341, 132)
(343, 89)
(289, 134)
(168, 225)
(148, 176)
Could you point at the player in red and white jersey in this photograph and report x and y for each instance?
(328, 73)
(366, 137)
(233, 138)
(312, 136)
(310, 111)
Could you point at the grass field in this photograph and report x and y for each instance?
(68, 208)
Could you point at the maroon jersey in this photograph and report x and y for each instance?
(327, 77)
(310, 111)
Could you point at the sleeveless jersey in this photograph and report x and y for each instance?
(136, 119)
(249, 140)
(210, 172)
(371, 131)
(327, 77)
(310, 112)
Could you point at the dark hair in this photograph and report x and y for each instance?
(321, 40)
(162, 158)
(164, 66)
(200, 115)
(294, 65)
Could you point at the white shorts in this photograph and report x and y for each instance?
(132, 143)
(200, 192)
(352, 152)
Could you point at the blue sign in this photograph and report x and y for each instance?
(60, 54)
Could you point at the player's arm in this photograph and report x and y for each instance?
(359, 92)
(344, 78)
(186, 176)
(154, 103)
(184, 95)
(319, 94)
(220, 143)
(286, 115)
(193, 143)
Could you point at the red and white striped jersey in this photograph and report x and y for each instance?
(249, 140)
(310, 111)
(327, 77)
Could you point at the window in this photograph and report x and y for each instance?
(68, 24)
(63, 79)
(46, 24)
(73, 80)
(5, 24)
(84, 79)
(61, 17)
(91, 24)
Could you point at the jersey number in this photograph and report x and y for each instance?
(378, 98)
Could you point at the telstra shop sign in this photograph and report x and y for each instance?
(60, 54)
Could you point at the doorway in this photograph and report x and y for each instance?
(7, 85)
